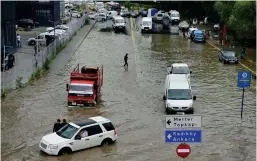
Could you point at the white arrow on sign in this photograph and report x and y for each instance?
(169, 136)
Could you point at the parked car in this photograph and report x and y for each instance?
(79, 135)
(158, 17)
(7, 59)
(76, 14)
(226, 57)
(41, 38)
(27, 23)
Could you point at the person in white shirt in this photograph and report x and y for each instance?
(19, 41)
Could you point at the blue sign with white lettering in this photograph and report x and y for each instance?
(244, 79)
(183, 136)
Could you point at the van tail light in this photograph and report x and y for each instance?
(115, 132)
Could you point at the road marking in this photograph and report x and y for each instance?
(239, 61)
(183, 150)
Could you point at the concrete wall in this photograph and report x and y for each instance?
(8, 22)
(62, 8)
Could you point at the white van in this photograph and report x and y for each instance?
(146, 24)
(178, 94)
(174, 17)
(118, 23)
(111, 14)
(179, 68)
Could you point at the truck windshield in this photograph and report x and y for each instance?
(120, 21)
(179, 94)
(67, 131)
(147, 23)
(88, 87)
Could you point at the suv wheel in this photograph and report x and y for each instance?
(13, 63)
(106, 142)
(65, 151)
(32, 42)
(6, 67)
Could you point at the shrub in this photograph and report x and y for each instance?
(46, 64)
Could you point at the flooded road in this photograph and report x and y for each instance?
(133, 101)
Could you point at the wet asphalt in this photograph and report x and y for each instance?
(133, 101)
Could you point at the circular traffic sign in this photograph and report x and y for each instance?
(183, 150)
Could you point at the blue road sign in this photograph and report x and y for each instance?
(244, 79)
(183, 136)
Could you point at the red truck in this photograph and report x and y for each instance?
(85, 85)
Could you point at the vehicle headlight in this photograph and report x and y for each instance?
(169, 105)
(53, 146)
(191, 105)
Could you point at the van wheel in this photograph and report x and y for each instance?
(106, 142)
(64, 151)
(6, 67)
(32, 42)
(13, 63)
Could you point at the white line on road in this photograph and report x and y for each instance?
(183, 150)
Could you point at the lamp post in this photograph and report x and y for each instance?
(54, 35)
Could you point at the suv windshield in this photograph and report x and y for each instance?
(229, 54)
(179, 94)
(146, 23)
(180, 70)
(81, 88)
(67, 131)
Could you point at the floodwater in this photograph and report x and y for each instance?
(133, 101)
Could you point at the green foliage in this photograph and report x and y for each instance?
(5, 91)
(239, 16)
(19, 83)
(127, 4)
(46, 64)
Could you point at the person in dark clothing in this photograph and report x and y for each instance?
(63, 123)
(126, 60)
(57, 125)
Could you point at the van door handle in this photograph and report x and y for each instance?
(86, 139)
(100, 135)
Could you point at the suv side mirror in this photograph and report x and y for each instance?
(77, 137)
(67, 87)
(194, 98)
(164, 97)
(190, 72)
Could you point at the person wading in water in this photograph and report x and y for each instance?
(126, 60)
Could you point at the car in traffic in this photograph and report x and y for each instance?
(7, 59)
(27, 23)
(198, 36)
(146, 24)
(118, 23)
(179, 68)
(178, 95)
(228, 57)
(174, 17)
(101, 17)
(79, 135)
(111, 14)
(190, 30)
(92, 15)
(158, 17)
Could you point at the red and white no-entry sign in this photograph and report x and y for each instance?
(183, 150)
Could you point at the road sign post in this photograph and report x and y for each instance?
(183, 150)
(243, 81)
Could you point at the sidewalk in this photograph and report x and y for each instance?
(25, 66)
(248, 63)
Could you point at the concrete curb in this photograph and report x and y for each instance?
(253, 72)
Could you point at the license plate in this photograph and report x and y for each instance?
(180, 113)
(73, 103)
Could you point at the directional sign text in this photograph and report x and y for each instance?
(183, 136)
(183, 122)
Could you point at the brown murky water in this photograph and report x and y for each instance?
(133, 101)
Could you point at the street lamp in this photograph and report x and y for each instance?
(54, 35)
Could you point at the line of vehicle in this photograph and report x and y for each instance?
(239, 61)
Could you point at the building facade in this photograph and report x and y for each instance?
(39, 11)
(8, 24)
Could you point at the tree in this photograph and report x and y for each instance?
(127, 5)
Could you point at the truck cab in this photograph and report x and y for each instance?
(85, 86)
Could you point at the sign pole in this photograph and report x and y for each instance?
(242, 105)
